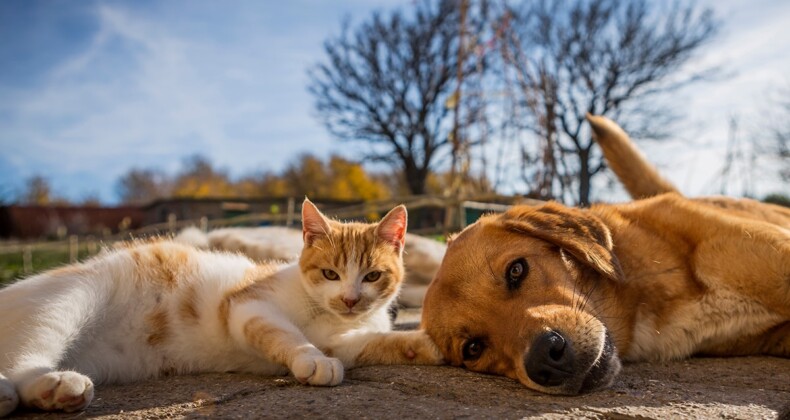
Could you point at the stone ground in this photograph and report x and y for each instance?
(727, 388)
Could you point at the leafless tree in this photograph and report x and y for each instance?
(37, 191)
(139, 186)
(778, 145)
(600, 57)
(393, 83)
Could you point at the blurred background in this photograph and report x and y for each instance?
(117, 116)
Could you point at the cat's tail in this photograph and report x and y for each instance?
(194, 237)
(640, 178)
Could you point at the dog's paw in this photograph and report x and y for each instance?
(8, 397)
(420, 349)
(317, 370)
(67, 391)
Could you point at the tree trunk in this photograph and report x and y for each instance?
(584, 177)
(415, 180)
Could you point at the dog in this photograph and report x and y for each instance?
(421, 256)
(555, 297)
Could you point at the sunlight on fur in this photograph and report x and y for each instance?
(158, 308)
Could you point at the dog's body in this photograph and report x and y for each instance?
(545, 294)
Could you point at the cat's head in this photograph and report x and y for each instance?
(352, 269)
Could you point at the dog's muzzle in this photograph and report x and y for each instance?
(552, 362)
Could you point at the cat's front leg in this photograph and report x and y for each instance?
(317, 369)
(386, 348)
(52, 390)
(261, 328)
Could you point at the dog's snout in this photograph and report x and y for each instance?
(550, 360)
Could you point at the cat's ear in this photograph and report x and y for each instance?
(392, 228)
(314, 224)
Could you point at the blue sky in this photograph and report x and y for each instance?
(89, 89)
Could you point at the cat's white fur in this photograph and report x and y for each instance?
(102, 322)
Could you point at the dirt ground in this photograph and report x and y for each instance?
(731, 388)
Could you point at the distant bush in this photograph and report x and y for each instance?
(779, 199)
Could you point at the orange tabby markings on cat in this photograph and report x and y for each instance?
(158, 327)
(393, 347)
(188, 309)
(153, 308)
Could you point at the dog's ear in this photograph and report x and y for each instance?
(579, 233)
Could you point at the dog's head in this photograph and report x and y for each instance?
(516, 296)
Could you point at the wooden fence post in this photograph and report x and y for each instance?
(92, 247)
(73, 249)
(449, 217)
(204, 224)
(171, 223)
(27, 260)
(461, 216)
(291, 210)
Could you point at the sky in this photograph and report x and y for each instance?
(91, 89)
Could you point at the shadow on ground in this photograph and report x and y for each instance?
(748, 388)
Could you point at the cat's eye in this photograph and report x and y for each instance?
(330, 275)
(472, 349)
(373, 276)
(516, 271)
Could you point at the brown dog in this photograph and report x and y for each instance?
(554, 296)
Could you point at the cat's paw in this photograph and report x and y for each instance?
(67, 391)
(317, 370)
(8, 397)
(420, 349)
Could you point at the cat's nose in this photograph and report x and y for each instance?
(350, 302)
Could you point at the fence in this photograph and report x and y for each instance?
(19, 259)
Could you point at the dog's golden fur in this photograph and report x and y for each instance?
(545, 294)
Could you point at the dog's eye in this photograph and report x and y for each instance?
(516, 272)
(473, 349)
(330, 275)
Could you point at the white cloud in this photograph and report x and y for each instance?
(753, 50)
(142, 94)
(229, 81)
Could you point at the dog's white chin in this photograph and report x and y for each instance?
(604, 370)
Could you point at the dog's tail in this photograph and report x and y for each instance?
(639, 177)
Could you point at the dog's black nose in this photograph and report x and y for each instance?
(550, 360)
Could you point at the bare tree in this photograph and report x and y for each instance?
(139, 186)
(599, 57)
(779, 129)
(393, 82)
(200, 179)
(37, 191)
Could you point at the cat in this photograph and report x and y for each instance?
(145, 310)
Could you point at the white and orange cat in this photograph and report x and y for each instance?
(146, 310)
